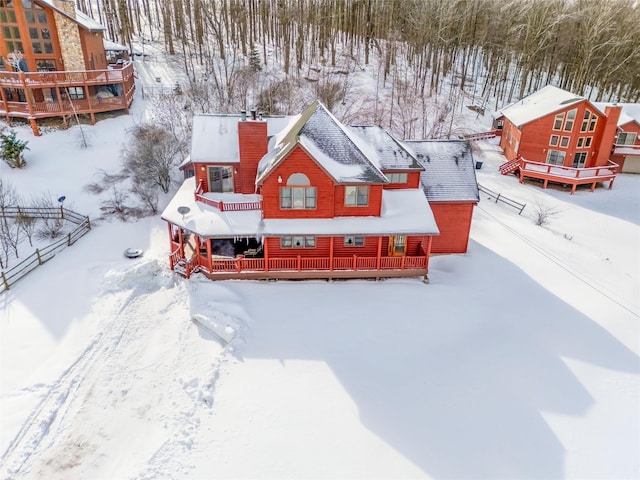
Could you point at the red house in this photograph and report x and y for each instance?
(626, 148)
(556, 136)
(308, 197)
(54, 63)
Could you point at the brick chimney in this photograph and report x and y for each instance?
(253, 144)
(608, 135)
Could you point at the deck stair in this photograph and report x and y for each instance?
(510, 167)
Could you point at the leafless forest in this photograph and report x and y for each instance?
(488, 52)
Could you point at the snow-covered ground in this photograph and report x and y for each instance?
(519, 360)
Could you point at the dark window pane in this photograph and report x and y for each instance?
(31, 18)
(48, 47)
(42, 17)
(16, 32)
(46, 34)
(37, 47)
(6, 31)
(33, 33)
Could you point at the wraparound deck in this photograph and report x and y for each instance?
(34, 104)
(301, 267)
(568, 175)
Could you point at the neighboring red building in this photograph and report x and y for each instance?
(53, 63)
(308, 197)
(626, 149)
(556, 136)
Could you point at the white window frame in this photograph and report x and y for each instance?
(626, 137)
(583, 159)
(554, 140)
(298, 198)
(354, 241)
(558, 122)
(298, 241)
(580, 143)
(564, 142)
(353, 195)
(558, 155)
(397, 177)
(587, 142)
(570, 120)
(226, 181)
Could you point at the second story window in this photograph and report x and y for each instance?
(356, 196)
(571, 117)
(557, 123)
(221, 179)
(626, 138)
(397, 177)
(298, 194)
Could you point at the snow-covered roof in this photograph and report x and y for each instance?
(449, 171)
(215, 137)
(383, 149)
(331, 144)
(403, 212)
(113, 46)
(85, 21)
(630, 111)
(547, 100)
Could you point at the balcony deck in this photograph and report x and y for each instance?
(63, 106)
(568, 175)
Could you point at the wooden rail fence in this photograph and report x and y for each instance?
(501, 198)
(42, 255)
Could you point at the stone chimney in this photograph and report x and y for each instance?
(69, 36)
(608, 135)
(253, 144)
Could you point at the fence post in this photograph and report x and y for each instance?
(520, 212)
(88, 223)
(4, 280)
(497, 198)
(39, 257)
(69, 239)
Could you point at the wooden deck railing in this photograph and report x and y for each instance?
(61, 105)
(568, 175)
(225, 206)
(241, 266)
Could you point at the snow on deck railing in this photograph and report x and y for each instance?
(479, 136)
(225, 206)
(605, 171)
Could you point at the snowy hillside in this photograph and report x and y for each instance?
(519, 360)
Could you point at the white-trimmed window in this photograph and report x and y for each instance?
(220, 179)
(352, 241)
(557, 124)
(397, 177)
(356, 196)
(553, 141)
(587, 142)
(564, 142)
(555, 157)
(297, 195)
(592, 123)
(580, 143)
(75, 93)
(298, 242)
(570, 120)
(626, 138)
(579, 159)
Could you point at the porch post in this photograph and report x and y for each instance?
(331, 254)
(265, 242)
(379, 254)
(210, 259)
(428, 251)
(181, 239)
(170, 238)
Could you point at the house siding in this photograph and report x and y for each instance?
(298, 161)
(372, 209)
(454, 222)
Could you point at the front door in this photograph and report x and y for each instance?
(397, 245)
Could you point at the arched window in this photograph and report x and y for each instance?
(297, 195)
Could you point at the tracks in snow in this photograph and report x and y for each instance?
(40, 429)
